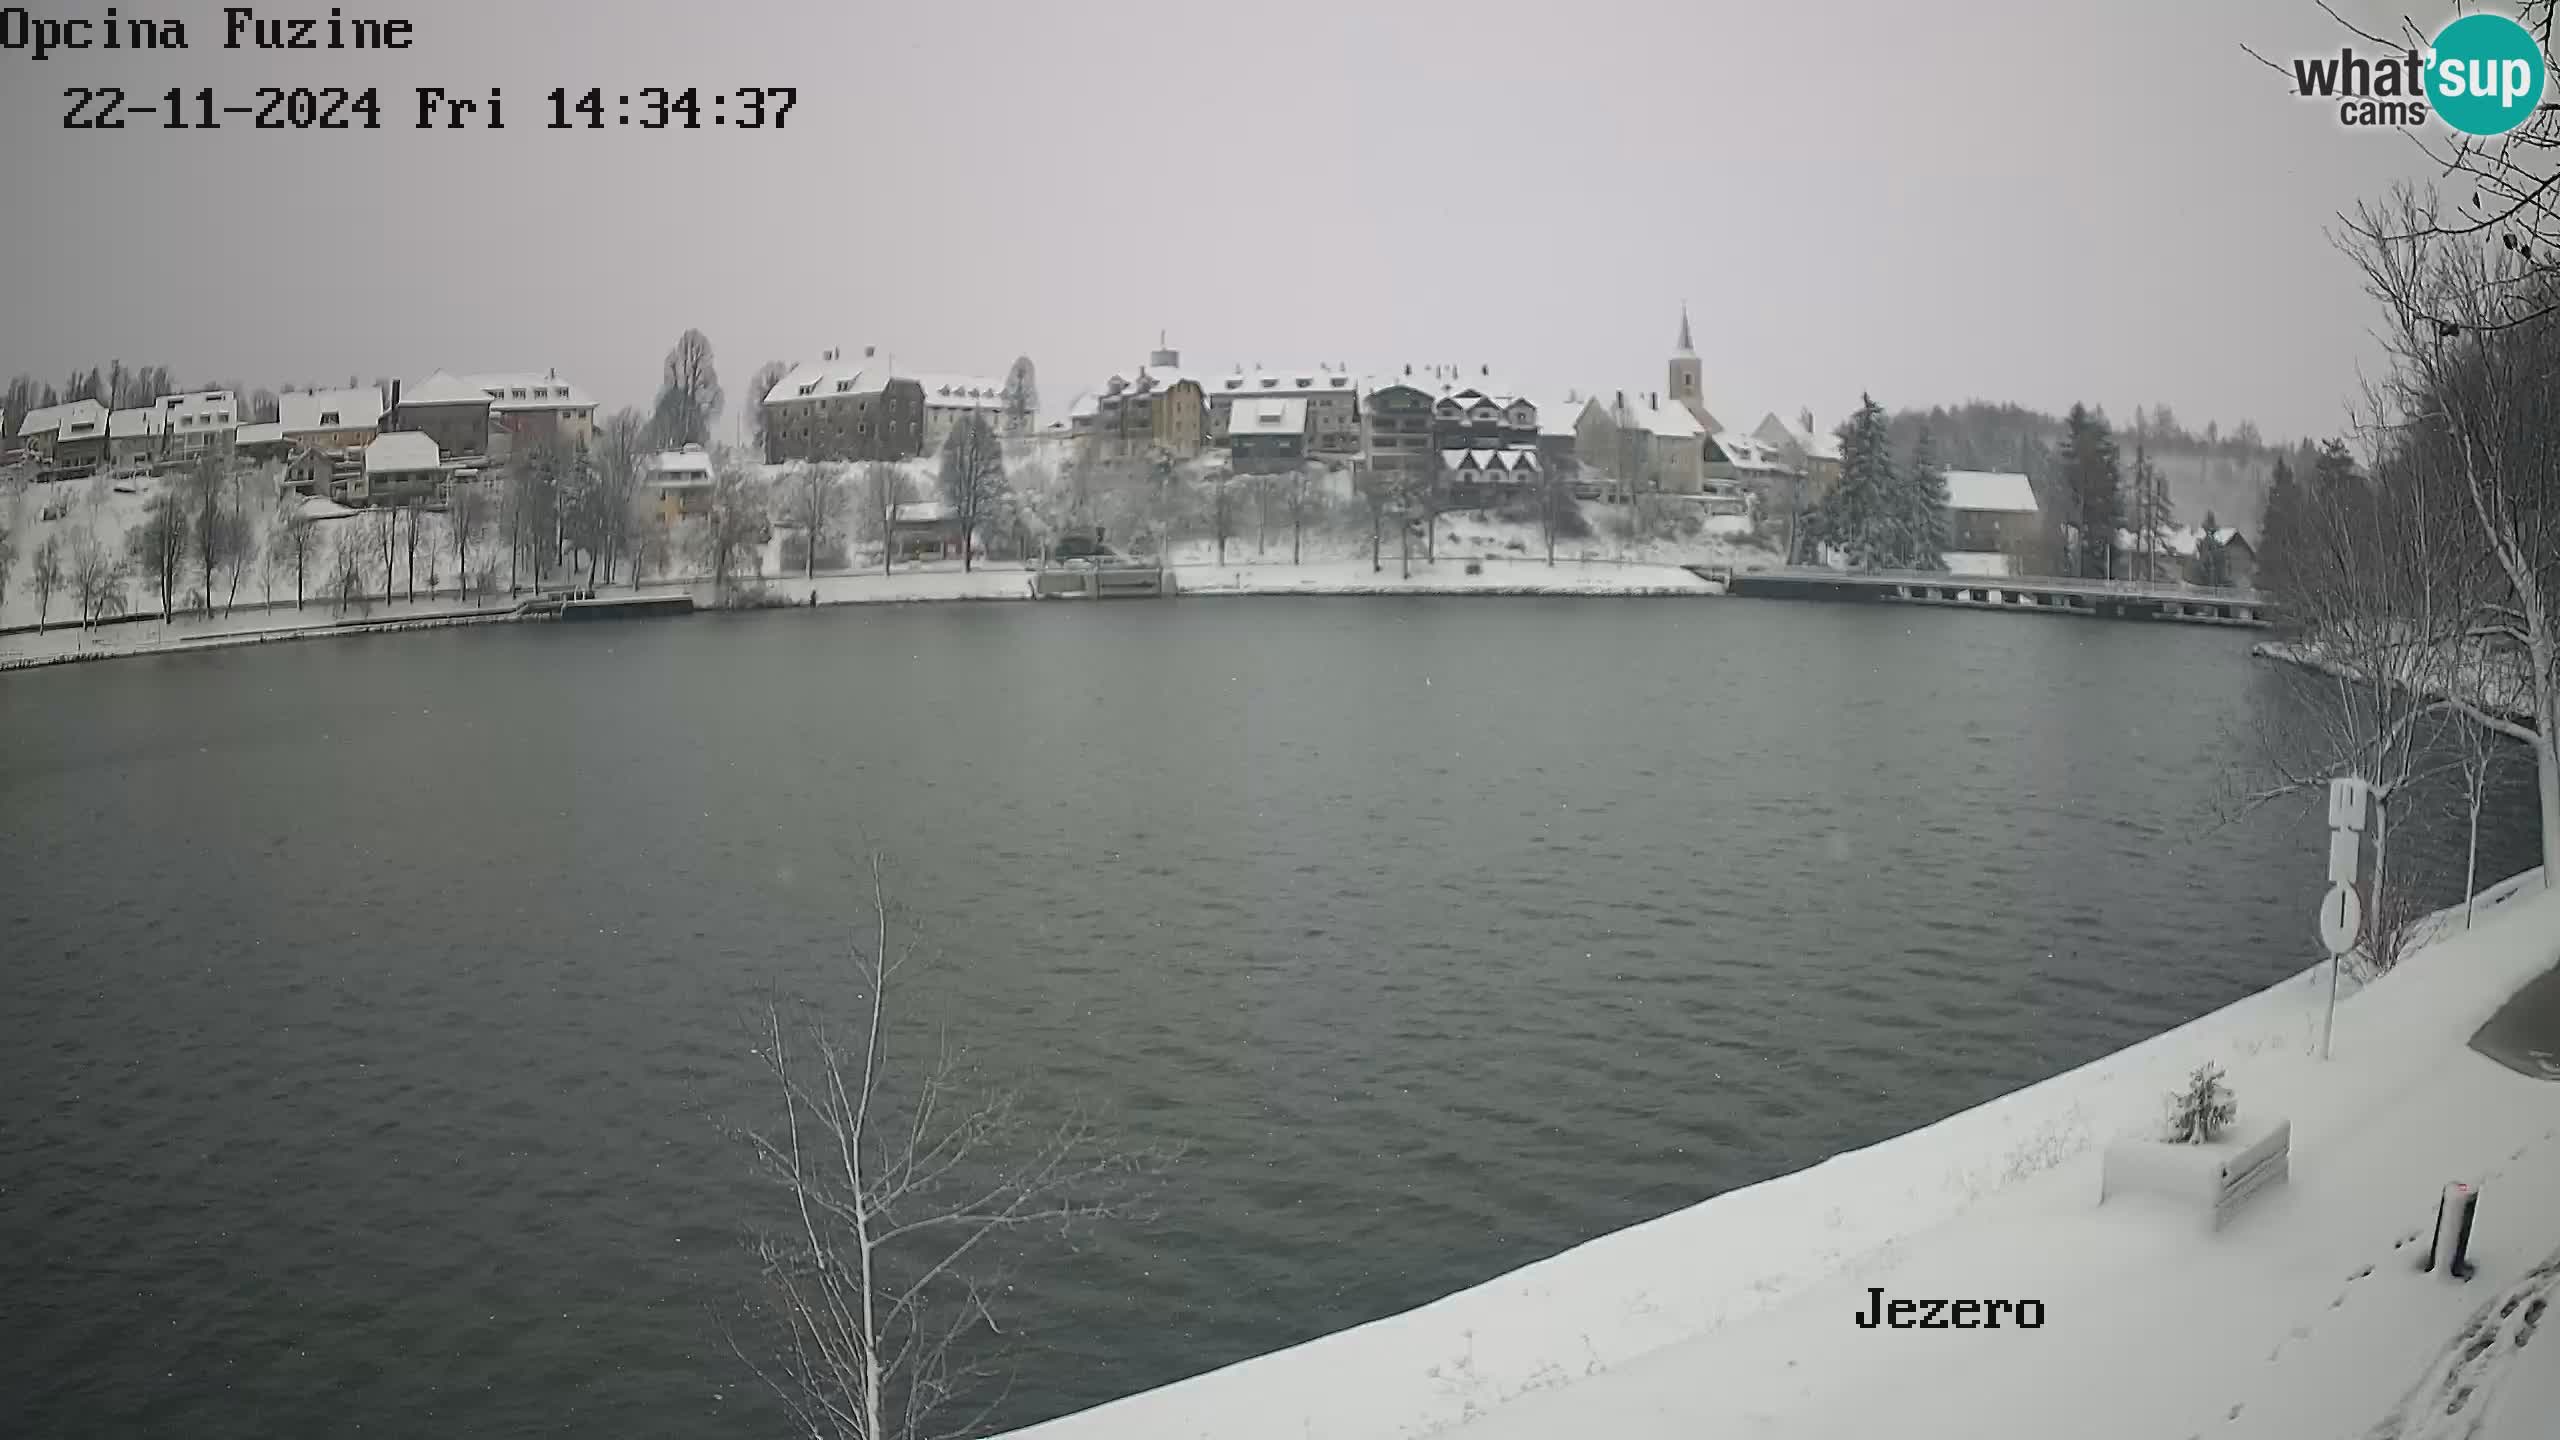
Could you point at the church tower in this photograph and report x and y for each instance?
(1687, 386)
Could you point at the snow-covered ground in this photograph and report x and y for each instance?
(2305, 1316)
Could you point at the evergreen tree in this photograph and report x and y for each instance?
(2213, 567)
(2087, 467)
(1926, 531)
(2278, 525)
(1859, 515)
(2148, 516)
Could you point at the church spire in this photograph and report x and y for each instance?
(1685, 347)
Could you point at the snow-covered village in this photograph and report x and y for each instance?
(1439, 722)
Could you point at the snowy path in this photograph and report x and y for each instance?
(2304, 1316)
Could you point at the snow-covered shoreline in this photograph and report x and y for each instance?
(68, 643)
(1727, 1317)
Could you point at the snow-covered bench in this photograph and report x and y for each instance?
(2217, 1176)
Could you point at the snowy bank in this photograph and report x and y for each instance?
(1734, 1316)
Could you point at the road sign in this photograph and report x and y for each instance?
(2341, 920)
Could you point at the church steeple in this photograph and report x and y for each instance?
(1688, 380)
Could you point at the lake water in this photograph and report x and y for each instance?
(370, 1001)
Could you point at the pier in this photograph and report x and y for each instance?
(2035, 594)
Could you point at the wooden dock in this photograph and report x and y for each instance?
(2032, 594)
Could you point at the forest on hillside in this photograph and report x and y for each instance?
(2224, 473)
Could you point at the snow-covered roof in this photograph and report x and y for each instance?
(1515, 458)
(201, 410)
(443, 389)
(41, 421)
(1750, 455)
(1786, 434)
(267, 432)
(960, 392)
(1657, 416)
(526, 391)
(304, 411)
(1319, 381)
(817, 380)
(321, 507)
(82, 420)
(1268, 415)
(1562, 417)
(401, 451)
(141, 422)
(1083, 405)
(679, 466)
(2181, 539)
(1997, 491)
(1145, 380)
(920, 512)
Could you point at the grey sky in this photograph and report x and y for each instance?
(2012, 199)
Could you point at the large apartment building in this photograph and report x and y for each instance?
(1158, 409)
(1332, 396)
(840, 409)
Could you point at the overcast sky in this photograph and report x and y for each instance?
(2009, 199)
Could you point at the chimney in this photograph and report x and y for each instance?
(395, 404)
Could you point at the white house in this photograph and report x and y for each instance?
(399, 467)
(1332, 398)
(134, 437)
(950, 399)
(200, 421)
(330, 419)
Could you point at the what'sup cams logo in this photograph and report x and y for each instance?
(2484, 75)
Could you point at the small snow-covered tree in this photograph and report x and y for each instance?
(2200, 1112)
(1924, 530)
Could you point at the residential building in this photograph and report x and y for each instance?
(399, 468)
(200, 422)
(1559, 433)
(261, 442)
(80, 436)
(925, 530)
(677, 485)
(1332, 397)
(452, 412)
(525, 409)
(1399, 425)
(950, 399)
(330, 419)
(1474, 413)
(1157, 409)
(1483, 477)
(1644, 444)
(1993, 522)
(833, 409)
(1266, 434)
(1814, 453)
(333, 472)
(1740, 468)
(134, 436)
(40, 427)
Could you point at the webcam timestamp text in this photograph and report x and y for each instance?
(428, 107)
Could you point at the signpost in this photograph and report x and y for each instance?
(2341, 912)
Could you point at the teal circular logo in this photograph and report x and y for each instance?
(2485, 75)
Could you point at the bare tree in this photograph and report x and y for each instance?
(466, 514)
(973, 480)
(347, 585)
(45, 576)
(8, 534)
(295, 538)
(884, 489)
(1299, 493)
(158, 545)
(689, 395)
(382, 525)
(97, 578)
(2476, 341)
(759, 385)
(732, 534)
(815, 503)
(906, 1186)
(240, 542)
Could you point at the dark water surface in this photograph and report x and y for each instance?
(368, 1002)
